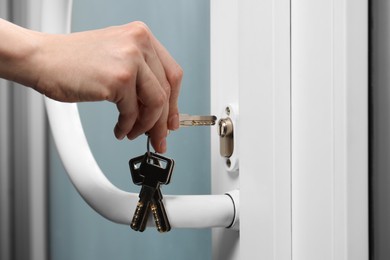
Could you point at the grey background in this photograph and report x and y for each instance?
(76, 231)
(380, 131)
(22, 155)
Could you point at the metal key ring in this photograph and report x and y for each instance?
(148, 145)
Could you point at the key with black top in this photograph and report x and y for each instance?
(157, 205)
(154, 175)
(151, 174)
(135, 166)
(135, 170)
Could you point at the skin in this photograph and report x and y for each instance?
(123, 64)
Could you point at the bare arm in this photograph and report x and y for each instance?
(124, 64)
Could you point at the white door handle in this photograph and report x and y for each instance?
(201, 211)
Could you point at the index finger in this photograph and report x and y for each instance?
(152, 99)
(174, 74)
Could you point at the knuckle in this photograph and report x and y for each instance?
(167, 88)
(106, 94)
(160, 100)
(133, 52)
(120, 82)
(123, 77)
(176, 76)
(140, 31)
(139, 24)
(144, 125)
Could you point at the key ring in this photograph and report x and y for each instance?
(148, 146)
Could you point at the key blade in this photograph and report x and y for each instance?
(160, 217)
(137, 221)
(196, 120)
(140, 217)
(158, 210)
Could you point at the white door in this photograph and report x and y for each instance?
(298, 70)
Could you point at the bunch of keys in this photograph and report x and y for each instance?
(150, 171)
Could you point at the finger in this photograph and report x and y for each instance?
(128, 114)
(151, 98)
(174, 75)
(173, 114)
(128, 111)
(159, 131)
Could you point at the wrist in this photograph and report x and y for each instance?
(19, 49)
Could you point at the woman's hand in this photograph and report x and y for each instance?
(124, 64)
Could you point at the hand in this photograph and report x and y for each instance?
(124, 64)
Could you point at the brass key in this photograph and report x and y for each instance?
(195, 120)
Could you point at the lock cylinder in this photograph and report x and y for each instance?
(228, 132)
(225, 132)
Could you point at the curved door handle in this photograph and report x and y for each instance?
(201, 211)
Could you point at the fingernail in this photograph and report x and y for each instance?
(117, 133)
(174, 122)
(163, 146)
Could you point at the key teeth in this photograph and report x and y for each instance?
(196, 120)
(135, 222)
(137, 226)
(158, 222)
(157, 219)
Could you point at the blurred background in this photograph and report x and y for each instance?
(76, 231)
(41, 214)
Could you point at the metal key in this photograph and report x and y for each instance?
(156, 204)
(135, 165)
(140, 217)
(141, 209)
(195, 120)
(154, 175)
(158, 210)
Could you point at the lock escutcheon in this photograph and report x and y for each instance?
(226, 141)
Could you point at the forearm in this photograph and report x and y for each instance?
(18, 47)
